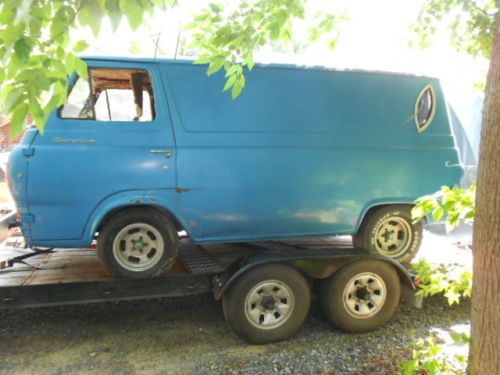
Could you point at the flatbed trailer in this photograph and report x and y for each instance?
(70, 276)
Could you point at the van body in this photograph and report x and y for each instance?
(302, 152)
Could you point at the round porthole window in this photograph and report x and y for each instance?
(425, 108)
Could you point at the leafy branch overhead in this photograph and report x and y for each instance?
(227, 38)
(469, 23)
(37, 55)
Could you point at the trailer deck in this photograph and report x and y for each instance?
(66, 276)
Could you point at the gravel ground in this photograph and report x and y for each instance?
(188, 335)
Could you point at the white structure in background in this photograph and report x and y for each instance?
(466, 119)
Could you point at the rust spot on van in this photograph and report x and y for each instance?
(154, 200)
(182, 190)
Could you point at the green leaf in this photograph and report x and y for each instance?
(69, 64)
(134, 12)
(233, 69)
(81, 68)
(237, 90)
(37, 112)
(59, 27)
(12, 99)
(216, 7)
(115, 15)
(18, 118)
(80, 46)
(201, 61)
(437, 213)
(214, 67)
(250, 62)
(13, 35)
(55, 101)
(91, 14)
(23, 48)
(230, 82)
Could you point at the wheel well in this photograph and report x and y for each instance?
(377, 207)
(165, 212)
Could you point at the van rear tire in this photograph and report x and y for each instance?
(138, 243)
(389, 231)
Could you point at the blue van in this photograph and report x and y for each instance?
(146, 148)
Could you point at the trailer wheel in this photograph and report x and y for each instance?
(361, 296)
(389, 231)
(267, 304)
(138, 243)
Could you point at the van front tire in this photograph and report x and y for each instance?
(137, 243)
(389, 231)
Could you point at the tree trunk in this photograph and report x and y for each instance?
(485, 314)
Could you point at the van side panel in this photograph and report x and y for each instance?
(303, 151)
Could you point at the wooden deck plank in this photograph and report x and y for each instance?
(82, 265)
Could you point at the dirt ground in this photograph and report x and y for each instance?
(188, 335)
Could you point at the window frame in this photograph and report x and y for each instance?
(430, 118)
(89, 82)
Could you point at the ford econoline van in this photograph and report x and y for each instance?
(146, 148)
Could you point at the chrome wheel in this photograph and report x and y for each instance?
(138, 247)
(393, 236)
(269, 304)
(364, 295)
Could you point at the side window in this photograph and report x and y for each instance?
(425, 107)
(113, 95)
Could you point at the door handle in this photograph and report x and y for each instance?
(166, 153)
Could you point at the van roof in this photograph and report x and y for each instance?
(162, 60)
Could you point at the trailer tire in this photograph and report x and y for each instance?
(361, 296)
(268, 303)
(138, 243)
(389, 231)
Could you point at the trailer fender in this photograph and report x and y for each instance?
(316, 267)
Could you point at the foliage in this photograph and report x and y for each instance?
(454, 281)
(228, 38)
(454, 205)
(432, 357)
(37, 55)
(470, 24)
